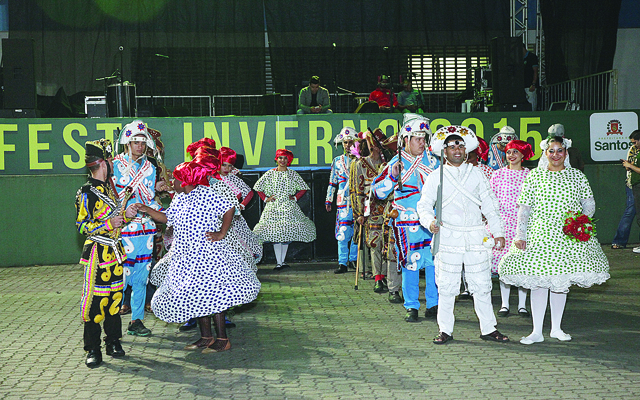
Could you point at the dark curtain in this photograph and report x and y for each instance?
(580, 37)
(213, 47)
(371, 37)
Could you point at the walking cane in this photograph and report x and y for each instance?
(358, 259)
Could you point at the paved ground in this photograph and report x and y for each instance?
(310, 335)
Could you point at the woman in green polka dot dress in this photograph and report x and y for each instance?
(542, 258)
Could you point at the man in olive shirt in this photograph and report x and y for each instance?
(632, 164)
(314, 99)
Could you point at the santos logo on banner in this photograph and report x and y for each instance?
(610, 135)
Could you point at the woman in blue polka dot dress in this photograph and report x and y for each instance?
(205, 276)
(542, 258)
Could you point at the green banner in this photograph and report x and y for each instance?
(56, 146)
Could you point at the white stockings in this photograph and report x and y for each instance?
(281, 252)
(557, 302)
(505, 291)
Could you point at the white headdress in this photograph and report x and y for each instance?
(441, 135)
(133, 131)
(347, 133)
(414, 125)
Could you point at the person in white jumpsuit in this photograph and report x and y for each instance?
(466, 197)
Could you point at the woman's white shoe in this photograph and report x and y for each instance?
(560, 335)
(531, 339)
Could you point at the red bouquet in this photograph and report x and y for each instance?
(578, 227)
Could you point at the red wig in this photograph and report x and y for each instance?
(227, 155)
(206, 143)
(522, 146)
(286, 153)
(482, 150)
(189, 173)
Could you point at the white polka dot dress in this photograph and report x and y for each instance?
(551, 260)
(203, 277)
(282, 220)
(506, 184)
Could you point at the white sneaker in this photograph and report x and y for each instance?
(636, 249)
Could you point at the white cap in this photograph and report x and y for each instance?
(441, 135)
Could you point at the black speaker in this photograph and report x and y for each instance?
(19, 74)
(507, 70)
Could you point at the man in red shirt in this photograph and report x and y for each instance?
(382, 95)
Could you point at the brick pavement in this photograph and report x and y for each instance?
(310, 335)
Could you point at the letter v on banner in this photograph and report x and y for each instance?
(252, 154)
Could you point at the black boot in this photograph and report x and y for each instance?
(341, 269)
(94, 358)
(114, 349)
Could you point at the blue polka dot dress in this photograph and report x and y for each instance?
(203, 277)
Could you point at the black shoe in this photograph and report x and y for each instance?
(189, 325)
(352, 265)
(523, 312)
(503, 312)
(431, 312)
(384, 284)
(114, 349)
(94, 358)
(395, 298)
(137, 328)
(341, 269)
(412, 315)
(378, 287)
(285, 265)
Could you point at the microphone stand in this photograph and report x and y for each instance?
(335, 75)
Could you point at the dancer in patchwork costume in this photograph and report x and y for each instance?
(339, 181)
(368, 210)
(413, 242)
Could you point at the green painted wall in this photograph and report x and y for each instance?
(37, 221)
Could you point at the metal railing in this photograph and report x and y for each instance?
(591, 92)
(283, 104)
(176, 106)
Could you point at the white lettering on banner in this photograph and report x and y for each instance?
(609, 133)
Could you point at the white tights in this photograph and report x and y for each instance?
(557, 302)
(505, 291)
(281, 252)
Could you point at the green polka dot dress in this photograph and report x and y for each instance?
(551, 260)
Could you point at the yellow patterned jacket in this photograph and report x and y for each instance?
(102, 253)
